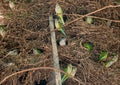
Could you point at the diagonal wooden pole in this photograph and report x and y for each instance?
(57, 75)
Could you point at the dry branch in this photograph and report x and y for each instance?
(106, 7)
(118, 21)
(34, 69)
(57, 75)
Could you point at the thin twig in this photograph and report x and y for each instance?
(110, 6)
(39, 68)
(94, 17)
(34, 69)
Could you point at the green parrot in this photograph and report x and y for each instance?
(59, 13)
(103, 55)
(112, 61)
(88, 46)
(58, 25)
(71, 70)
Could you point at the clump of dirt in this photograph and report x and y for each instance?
(28, 28)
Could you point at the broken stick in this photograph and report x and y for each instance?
(57, 75)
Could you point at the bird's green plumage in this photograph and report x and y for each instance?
(103, 55)
(62, 30)
(59, 25)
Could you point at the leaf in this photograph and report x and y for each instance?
(111, 62)
(88, 46)
(103, 55)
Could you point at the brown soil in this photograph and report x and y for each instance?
(28, 28)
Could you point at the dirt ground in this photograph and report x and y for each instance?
(28, 28)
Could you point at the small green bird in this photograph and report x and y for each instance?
(112, 61)
(88, 46)
(103, 55)
(65, 77)
(59, 13)
(70, 70)
(58, 25)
